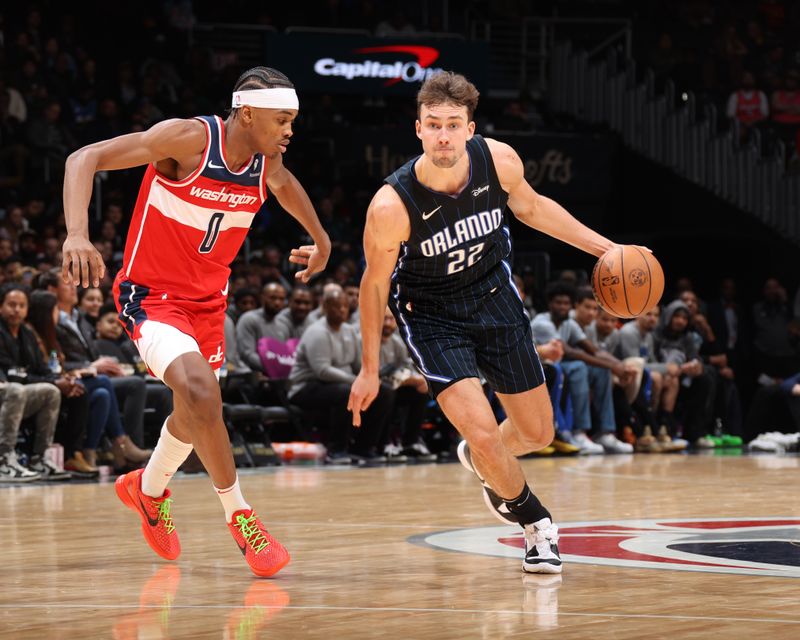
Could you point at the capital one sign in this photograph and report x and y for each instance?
(327, 63)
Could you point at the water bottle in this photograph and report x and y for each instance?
(54, 364)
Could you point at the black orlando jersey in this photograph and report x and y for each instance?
(459, 248)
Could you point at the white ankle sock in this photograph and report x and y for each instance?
(168, 455)
(231, 499)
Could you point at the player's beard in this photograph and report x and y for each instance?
(445, 162)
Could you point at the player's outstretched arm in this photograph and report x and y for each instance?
(295, 200)
(538, 211)
(181, 140)
(386, 227)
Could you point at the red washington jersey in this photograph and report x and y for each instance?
(185, 234)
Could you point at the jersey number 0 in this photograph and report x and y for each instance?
(212, 233)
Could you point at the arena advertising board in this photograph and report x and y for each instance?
(327, 63)
(568, 167)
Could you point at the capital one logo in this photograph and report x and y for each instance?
(416, 70)
(749, 546)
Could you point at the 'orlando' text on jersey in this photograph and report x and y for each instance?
(459, 247)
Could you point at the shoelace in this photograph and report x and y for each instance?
(164, 516)
(550, 534)
(252, 533)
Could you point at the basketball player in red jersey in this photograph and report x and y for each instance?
(205, 181)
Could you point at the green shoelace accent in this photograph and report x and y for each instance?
(252, 534)
(163, 515)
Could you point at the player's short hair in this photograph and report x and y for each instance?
(447, 86)
(583, 293)
(106, 309)
(559, 288)
(262, 78)
(9, 287)
(47, 279)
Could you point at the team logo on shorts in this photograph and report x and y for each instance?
(219, 356)
(749, 546)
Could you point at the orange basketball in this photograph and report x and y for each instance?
(627, 281)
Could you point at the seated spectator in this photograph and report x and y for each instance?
(232, 358)
(786, 101)
(72, 427)
(747, 105)
(730, 325)
(28, 390)
(13, 225)
(89, 302)
(774, 407)
(321, 291)
(244, 300)
(677, 345)
(260, 323)
(326, 363)
(727, 405)
(351, 290)
(271, 267)
(50, 141)
(77, 341)
(113, 342)
(28, 253)
(294, 320)
(585, 368)
(775, 339)
(636, 341)
(397, 370)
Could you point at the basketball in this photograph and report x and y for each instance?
(627, 281)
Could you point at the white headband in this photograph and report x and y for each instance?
(278, 98)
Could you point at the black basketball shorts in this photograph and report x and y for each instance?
(495, 343)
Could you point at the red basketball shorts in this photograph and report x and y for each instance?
(164, 327)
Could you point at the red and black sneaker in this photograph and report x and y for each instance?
(265, 555)
(157, 526)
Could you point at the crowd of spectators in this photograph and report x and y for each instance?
(742, 56)
(684, 373)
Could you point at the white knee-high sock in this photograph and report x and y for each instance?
(232, 499)
(168, 455)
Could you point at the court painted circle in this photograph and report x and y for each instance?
(752, 546)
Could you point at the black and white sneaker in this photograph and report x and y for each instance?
(12, 471)
(47, 470)
(495, 503)
(541, 548)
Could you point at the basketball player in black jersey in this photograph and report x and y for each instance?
(438, 249)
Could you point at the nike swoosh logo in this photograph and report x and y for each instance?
(243, 549)
(425, 216)
(152, 522)
(224, 291)
(211, 165)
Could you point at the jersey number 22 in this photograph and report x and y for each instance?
(461, 258)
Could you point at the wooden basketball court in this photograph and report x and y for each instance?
(374, 555)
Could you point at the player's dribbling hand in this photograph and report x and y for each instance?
(81, 263)
(363, 391)
(312, 257)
